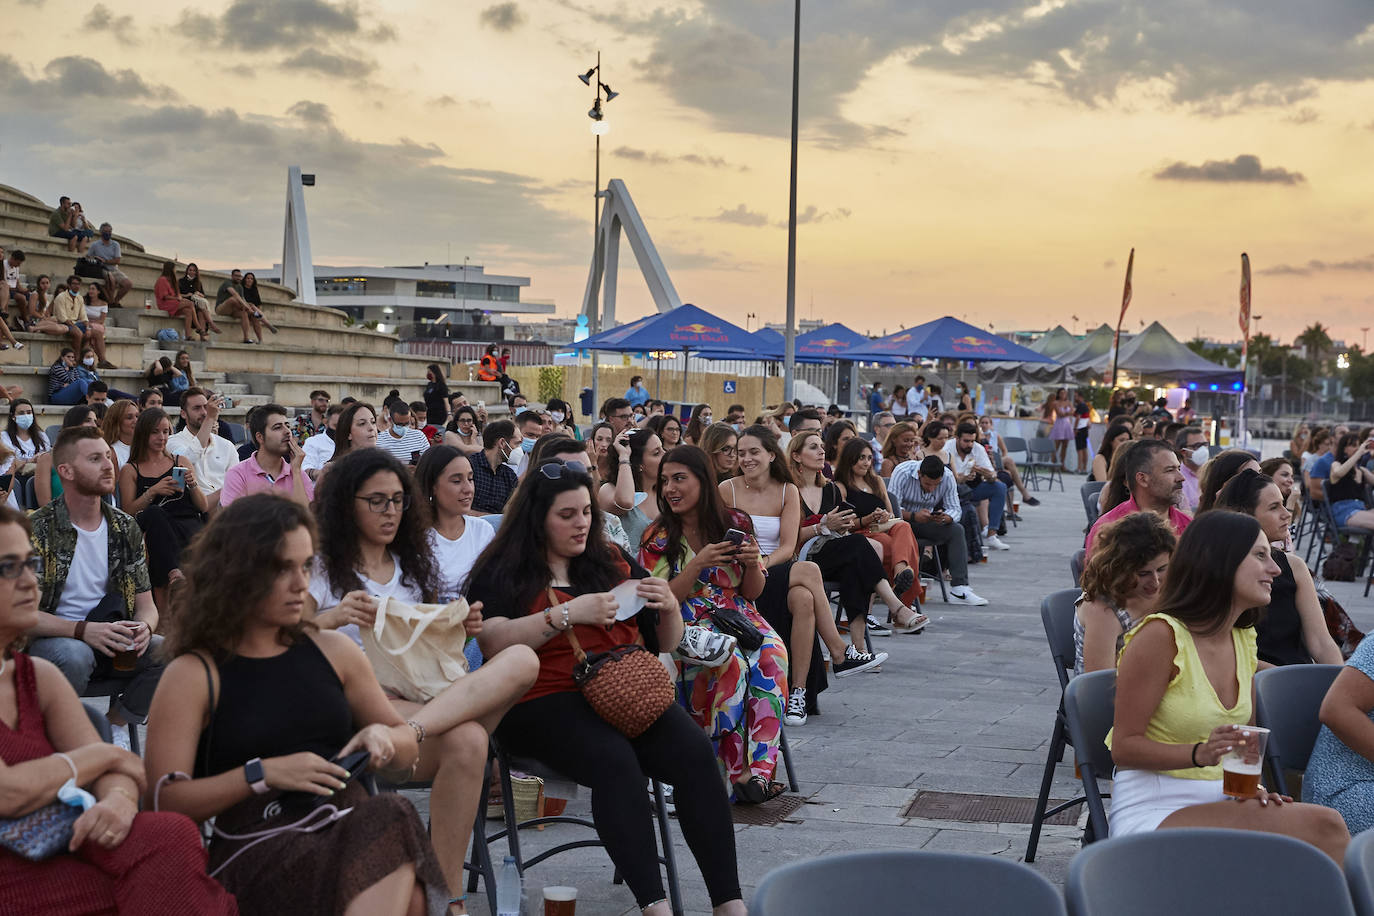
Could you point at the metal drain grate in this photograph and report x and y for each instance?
(989, 809)
(768, 814)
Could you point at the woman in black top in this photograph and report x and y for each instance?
(1292, 630)
(256, 705)
(253, 297)
(169, 513)
(436, 396)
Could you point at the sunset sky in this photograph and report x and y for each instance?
(993, 160)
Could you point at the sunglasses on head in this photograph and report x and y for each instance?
(553, 470)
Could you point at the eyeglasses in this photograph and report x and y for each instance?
(619, 416)
(555, 469)
(726, 450)
(380, 503)
(13, 569)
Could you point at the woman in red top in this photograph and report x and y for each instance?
(176, 305)
(551, 568)
(119, 861)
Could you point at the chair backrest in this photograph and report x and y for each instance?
(1185, 872)
(1040, 448)
(51, 432)
(1359, 872)
(1090, 492)
(495, 521)
(1015, 444)
(237, 435)
(1076, 564)
(907, 883)
(28, 495)
(1287, 702)
(1056, 614)
(1089, 708)
(101, 723)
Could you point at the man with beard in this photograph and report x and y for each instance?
(1155, 484)
(276, 465)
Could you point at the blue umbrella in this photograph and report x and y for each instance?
(835, 341)
(686, 328)
(946, 338)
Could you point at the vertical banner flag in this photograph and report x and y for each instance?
(1125, 304)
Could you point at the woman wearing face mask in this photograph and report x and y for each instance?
(1293, 629)
(718, 441)
(21, 435)
(697, 425)
(88, 372)
(1121, 584)
(65, 384)
(562, 414)
(463, 432)
(1185, 692)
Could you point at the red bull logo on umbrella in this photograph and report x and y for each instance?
(972, 344)
(696, 332)
(826, 345)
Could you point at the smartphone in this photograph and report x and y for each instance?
(414, 458)
(179, 476)
(355, 763)
(846, 506)
(736, 537)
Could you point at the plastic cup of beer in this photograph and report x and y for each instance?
(560, 901)
(1240, 769)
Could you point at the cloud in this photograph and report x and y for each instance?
(1109, 264)
(312, 112)
(1243, 168)
(732, 60)
(256, 25)
(1303, 115)
(348, 66)
(654, 157)
(502, 17)
(1352, 265)
(813, 214)
(66, 79)
(739, 216)
(101, 19)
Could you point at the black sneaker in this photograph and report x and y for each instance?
(855, 661)
(1031, 501)
(877, 628)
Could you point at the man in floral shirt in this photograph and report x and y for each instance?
(311, 423)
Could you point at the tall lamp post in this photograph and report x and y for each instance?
(789, 360)
(599, 126)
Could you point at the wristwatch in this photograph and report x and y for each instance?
(257, 778)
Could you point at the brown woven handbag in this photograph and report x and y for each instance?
(626, 685)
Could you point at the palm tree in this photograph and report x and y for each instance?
(1315, 340)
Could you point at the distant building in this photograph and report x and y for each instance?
(417, 302)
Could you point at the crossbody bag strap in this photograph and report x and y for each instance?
(572, 636)
(210, 721)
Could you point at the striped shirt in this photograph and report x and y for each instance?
(905, 488)
(411, 440)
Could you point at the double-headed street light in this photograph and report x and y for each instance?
(599, 126)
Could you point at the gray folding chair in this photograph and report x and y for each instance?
(1090, 492)
(1359, 872)
(102, 724)
(1076, 564)
(1089, 708)
(1287, 702)
(1040, 457)
(1200, 871)
(1056, 613)
(906, 883)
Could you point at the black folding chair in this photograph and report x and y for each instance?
(1056, 613)
(112, 688)
(1335, 532)
(1040, 457)
(1287, 702)
(1076, 564)
(1089, 707)
(1090, 492)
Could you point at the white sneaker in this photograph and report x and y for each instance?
(964, 595)
(796, 707)
(119, 734)
(996, 543)
(702, 645)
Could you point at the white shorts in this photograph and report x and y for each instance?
(1142, 799)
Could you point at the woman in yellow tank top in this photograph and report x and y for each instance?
(1185, 692)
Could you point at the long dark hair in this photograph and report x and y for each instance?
(1114, 429)
(695, 427)
(458, 412)
(147, 422)
(1201, 579)
(231, 568)
(1216, 472)
(832, 435)
(637, 441)
(431, 467)
(656, 423)
(40, 442)
(344, 429)
(1242, 492)
(516, 560)
(339, 550)
(777, 468)
(440, 385)
(196, 285)
(250, 293)
(713, 518)
(844, 469)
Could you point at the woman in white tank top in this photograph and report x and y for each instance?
(793, 589)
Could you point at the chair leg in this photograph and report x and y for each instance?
(480, 865)
(1056, 749)
(669, 857)
(787, 760)
(512, 820)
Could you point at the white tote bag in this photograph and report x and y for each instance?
(416, 650)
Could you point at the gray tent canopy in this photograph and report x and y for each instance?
(1157, 357)
(1053, 343)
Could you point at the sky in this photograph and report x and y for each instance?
(996, 160)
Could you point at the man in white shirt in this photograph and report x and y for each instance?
(405, 443)
(971, 466)
(319, 448)
(211, 455)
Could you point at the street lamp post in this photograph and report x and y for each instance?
(599, 126)
(789, 362)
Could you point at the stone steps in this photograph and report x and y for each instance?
(291, 332)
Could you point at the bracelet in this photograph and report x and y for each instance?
(1194, 754)
(548, 619)
(80, 632)
(70, 763)
(567, 617)
(418, 729)
(120, 790)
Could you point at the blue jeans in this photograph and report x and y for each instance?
(73, 394)
(995, 492)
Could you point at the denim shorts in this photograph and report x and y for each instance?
(1342, 509)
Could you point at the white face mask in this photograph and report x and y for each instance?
(557, 415)
(89, 361)
(24, 420)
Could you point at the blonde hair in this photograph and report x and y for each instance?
(798, 441)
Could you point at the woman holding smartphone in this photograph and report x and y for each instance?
(159, 490)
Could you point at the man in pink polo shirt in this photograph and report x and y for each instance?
(276, 465)
(1155, 481)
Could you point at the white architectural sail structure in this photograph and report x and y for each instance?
(297, 269)
(619, 213)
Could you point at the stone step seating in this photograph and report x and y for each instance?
(316, 347)
(123, 348)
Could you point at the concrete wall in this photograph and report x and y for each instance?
(753, 393)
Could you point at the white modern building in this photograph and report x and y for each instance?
(397, 298)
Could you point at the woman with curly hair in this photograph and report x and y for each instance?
(1121, 584)
(375, 543)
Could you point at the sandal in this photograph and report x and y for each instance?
(913, 624)
(903, 581)
(756, 790)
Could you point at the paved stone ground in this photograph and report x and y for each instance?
(965, 707)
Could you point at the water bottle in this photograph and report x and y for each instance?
(509, 889)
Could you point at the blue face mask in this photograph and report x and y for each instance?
(527, 445)
(24, 420)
